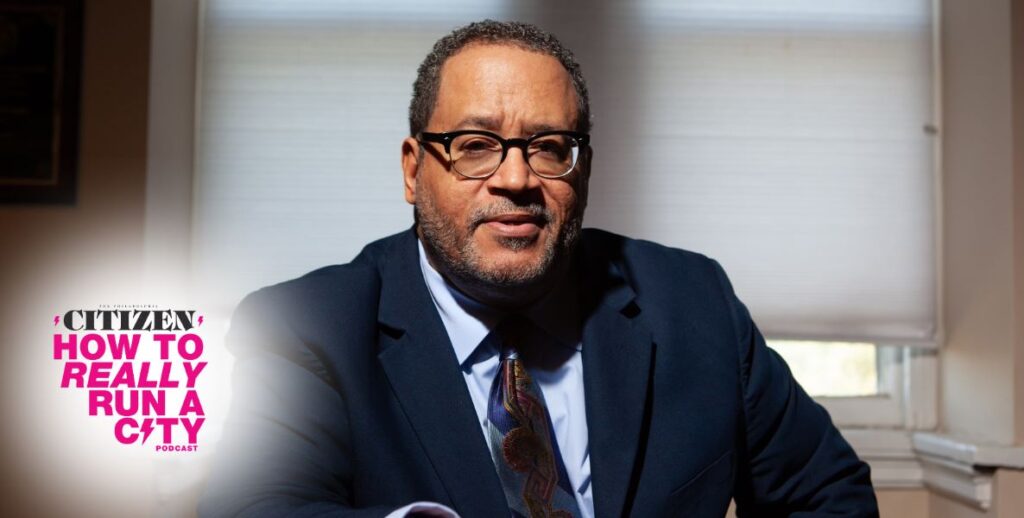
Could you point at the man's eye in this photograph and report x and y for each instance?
(477, 145)
(552, 148)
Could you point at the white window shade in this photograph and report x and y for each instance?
(303, 107)
(786, 139)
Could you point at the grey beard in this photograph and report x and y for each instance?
(466, 265)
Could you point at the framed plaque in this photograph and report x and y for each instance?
(40, 68)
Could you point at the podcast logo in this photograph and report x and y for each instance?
(139, 365)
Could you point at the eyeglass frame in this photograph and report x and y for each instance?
(446, 139)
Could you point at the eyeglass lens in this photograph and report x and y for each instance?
(480, 155)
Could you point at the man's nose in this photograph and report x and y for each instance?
(514, 173)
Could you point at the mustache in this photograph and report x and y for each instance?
(535, 210)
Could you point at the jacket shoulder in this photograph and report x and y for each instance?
(329, 285)
(334, 285)
(303, 315)
(645, 262)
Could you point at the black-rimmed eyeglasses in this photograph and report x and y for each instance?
(478, 154)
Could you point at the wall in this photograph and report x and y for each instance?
(903, 503)
(981, 260)
(41, 241)
(1017, 31)
(983, 361)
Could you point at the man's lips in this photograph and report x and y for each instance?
(515, 225)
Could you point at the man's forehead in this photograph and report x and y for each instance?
(484, 76)
(480, 63)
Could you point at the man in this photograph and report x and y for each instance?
(497, 360)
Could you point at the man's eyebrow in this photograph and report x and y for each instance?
(487, 123)
(492, 124)
(537, 128)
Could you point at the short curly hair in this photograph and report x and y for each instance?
(524, 35)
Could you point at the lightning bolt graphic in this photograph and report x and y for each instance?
(147, 428)
(56, 319)
(200, 321)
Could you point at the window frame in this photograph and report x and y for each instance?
(908, 386)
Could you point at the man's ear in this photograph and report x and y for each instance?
(410, 167)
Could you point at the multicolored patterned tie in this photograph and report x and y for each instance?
(523, 443)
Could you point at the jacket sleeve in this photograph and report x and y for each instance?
(285, 450)
(795, 461)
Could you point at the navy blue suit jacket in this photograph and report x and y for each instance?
(350, 401)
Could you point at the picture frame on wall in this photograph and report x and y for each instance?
(40, 77)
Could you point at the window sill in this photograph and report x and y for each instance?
(963, 469)
(966, 452)
(955, 467)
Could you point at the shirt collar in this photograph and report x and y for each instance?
(468, 322)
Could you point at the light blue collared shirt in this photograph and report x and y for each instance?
(468, 322)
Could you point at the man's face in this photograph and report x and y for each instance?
(513, 229)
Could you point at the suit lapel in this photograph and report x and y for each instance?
(617, 363)
(424, 374)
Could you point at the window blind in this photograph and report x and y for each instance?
(303, 106)
(787, 139)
